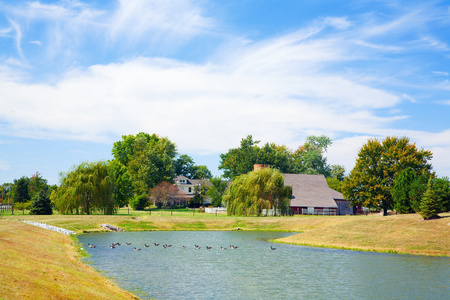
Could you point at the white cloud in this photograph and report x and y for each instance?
(4, 166)
(339, 23)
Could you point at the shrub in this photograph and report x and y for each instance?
(431, 204)
(139, 202)
(41, 204)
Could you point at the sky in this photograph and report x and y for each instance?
(75, 76)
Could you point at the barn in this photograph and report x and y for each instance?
(312, 196)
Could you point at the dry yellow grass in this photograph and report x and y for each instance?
(395, 234)
(41, 264)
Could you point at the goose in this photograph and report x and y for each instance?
(208, 247)
(137, 249)
(146, 246)
(223, 248)
(155, 244)
(127, 243)
(184, 247)
(272, 248)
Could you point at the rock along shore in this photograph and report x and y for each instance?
(50, 227)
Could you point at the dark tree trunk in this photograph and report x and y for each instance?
(385, 207)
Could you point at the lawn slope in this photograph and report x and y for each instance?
(41, 264)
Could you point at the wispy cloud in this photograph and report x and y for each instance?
(179, 19)
(18, 37)
(69, 24)
(441, 73)
(435, 43)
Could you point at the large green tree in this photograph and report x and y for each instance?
(37, 183)
(261, 189)
(185, 166)
(149, 159)
(86, 188)
(216, 190)
(378, 163)
(238, 161)
(20, 190)
(309, 158)
(401, 190)
(123, 187)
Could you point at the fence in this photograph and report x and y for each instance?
(215, 210)
(319, 211)
(6, 208)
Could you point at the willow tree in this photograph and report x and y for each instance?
(378, 164)
(86, 188)
(262, 189)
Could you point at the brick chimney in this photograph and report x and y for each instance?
(260, 166)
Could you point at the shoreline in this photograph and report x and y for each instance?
(397, 234)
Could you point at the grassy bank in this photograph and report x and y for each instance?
(405, 234)
(43, 264)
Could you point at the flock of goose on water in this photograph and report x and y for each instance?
(114, 245)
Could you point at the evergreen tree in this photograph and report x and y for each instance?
(431, 204)
(442, 188)
(41, 204)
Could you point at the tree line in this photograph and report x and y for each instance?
(388, 174)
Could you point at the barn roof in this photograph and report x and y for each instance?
(311, 191)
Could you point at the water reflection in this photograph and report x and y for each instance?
(254, 271)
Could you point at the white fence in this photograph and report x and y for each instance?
(270, 212)
(319, 211)
(215, 210)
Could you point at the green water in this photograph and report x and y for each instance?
(254, 271)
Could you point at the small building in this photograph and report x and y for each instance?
(312, 196)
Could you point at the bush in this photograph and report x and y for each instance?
(139, 202)
(22, 206)
(41, 204)
(430, 205)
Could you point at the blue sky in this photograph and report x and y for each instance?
(77, 75)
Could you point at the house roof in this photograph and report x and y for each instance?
(188, 181)
(311, 191)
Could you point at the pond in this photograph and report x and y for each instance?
(254, 271)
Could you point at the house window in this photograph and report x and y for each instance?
(190, 190)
